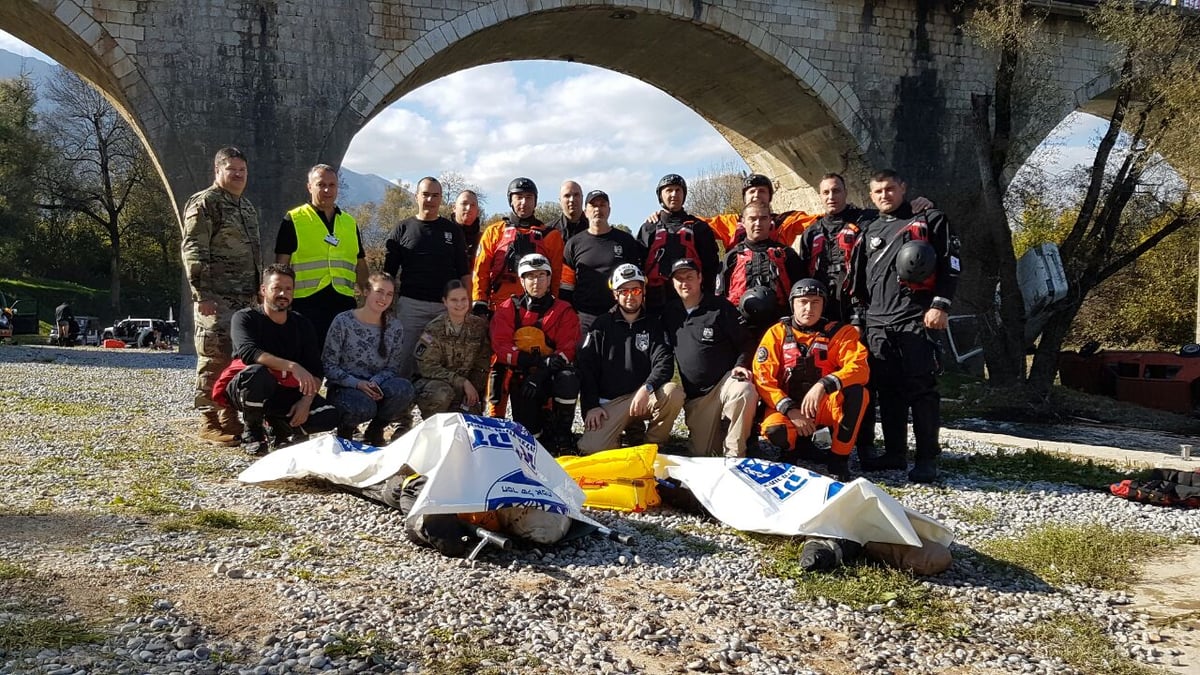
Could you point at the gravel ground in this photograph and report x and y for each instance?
(98, 455)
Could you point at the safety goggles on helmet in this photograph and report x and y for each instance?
(624, 274)
(533, 263)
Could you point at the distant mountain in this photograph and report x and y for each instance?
(359, 188)
(15, 65)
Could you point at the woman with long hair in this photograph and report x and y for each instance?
(362, 360)
(452, 357)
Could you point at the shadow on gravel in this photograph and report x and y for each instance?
(63, 530)
(980, 569)
(94, 356)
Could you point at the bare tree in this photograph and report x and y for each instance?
(100, 162)
(715, 190)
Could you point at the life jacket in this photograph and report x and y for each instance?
(532, 338)
(666, 247)
(917, 230)
(759, 268)
(844, 241)
(515, 243)
(804, 364)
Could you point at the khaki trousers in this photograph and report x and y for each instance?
(665, 403)
(733, 400)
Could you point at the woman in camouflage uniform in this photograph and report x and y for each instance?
(452, 357)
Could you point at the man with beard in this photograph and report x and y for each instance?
(276, 371)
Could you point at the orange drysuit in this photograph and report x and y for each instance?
(495, 275)
(790, 360)
(788, 226)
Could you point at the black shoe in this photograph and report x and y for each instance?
(255, 447)
(820, 555)
(347, 431)
(808, 451)
(634, 434)
(892, 461)
(761, 448)
(838, 467)
(924, 472)
(374, 435)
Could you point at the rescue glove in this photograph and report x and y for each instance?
(534, 387)
(556, 362)
(525, 360)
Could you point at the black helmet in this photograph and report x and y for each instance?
(669, 180)
(915, 261)
(807, 287)
(521, 185)
(758, 305)
(758, 180)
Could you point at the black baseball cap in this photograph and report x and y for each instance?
(596, 194)
(684, 264)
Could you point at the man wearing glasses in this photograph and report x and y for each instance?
(713, 348)
(625, 369)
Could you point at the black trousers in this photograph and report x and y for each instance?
(903, 362)
(260, 398)
(561, 385)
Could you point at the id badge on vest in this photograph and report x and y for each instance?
(331, 240)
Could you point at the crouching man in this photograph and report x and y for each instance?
(535, 336)
(812, 373)
(625, 369)
(276, 371)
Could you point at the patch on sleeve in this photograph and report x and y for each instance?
(427, 338)
(954, 264)
(422, 347)
(761, 355)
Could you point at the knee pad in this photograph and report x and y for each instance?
(782, 436)
(566, 384)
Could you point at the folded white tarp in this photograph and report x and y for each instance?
(774, 498)
(472, 463)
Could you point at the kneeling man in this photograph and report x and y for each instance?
(625, 369)
(712, 347)
(812, 373)
(276, 370)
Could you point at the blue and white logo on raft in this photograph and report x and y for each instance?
(347, 445)
(499, 434)
(779, 480)
(517, 489)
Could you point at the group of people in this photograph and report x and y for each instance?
(804, 322)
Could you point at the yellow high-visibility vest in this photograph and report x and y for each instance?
(318, 263)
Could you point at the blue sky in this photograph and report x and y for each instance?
(540, 119)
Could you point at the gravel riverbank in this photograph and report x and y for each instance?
(113, 518)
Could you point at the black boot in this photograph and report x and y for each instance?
(838, 467)
(374, 433)
(254, 433)
(888, 461)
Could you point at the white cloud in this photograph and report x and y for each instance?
(496, 122)
(16, 46)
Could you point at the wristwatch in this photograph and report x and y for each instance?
(649, 389)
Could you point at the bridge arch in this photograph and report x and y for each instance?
(777, 110)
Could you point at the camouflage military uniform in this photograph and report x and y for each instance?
(221, 256)
(445, 360)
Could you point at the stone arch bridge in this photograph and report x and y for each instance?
(798, 87)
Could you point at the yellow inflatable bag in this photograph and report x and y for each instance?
(618, 480)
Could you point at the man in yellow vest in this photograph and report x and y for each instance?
(324, 248)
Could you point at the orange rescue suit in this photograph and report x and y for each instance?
(789, 361)
(508, 285)
(788, 226)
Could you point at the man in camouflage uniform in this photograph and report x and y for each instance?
(221, 257)
(452, 363)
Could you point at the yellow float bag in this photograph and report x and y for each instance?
(618, 480)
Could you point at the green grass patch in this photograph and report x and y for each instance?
(218, 521)
(1038, 465)
(1080, 642)
(862, 585)
(46, 634)
(140, 603)
(368, 646)
(147, 499)
(1091, 555)
(11, 571)
(45, 406)
(473, 660)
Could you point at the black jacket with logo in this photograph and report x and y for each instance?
(617, 357)
(708, 342)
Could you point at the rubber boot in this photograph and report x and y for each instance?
(254, 434)
(838, 467)
(230, 423)
(562, 417)
(374, 433)
(211, 430)
(926, 420)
